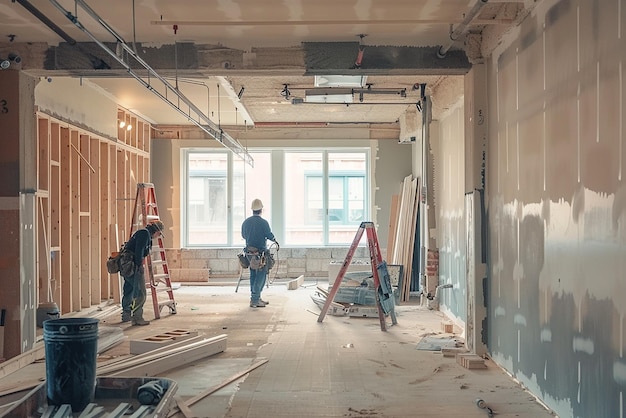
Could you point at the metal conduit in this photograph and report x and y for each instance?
(198, 118)
(460, 29)
(44, 19)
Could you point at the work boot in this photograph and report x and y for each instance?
(140, 321)
(126, 317)
(264, 301)
(259, 304)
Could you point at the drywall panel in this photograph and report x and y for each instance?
(77, 101)
(556, 209)
(448, 179)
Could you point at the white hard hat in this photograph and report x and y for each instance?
(256, 204)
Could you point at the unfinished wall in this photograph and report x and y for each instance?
(16, 213)
(448, 155)
(85, 201)
(557, 251)
(67, 199)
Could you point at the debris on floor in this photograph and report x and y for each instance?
(432, 343)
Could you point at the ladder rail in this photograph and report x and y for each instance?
(375, 260)
(342, 272)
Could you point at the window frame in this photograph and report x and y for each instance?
(277, 162)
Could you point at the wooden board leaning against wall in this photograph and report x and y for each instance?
(85, 198)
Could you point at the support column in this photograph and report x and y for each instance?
(427, 214)
(18, 169)
(475, 166)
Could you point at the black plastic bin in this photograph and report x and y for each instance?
(71, 346)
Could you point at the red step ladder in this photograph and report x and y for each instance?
(146, 211)
(376, 263)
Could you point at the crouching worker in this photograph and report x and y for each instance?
(134, 291)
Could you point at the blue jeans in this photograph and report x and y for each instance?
(134, 294)
(257, 281)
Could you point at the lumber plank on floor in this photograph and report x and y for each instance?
(139, 358)
(154, 365)
(184, 409)
(217, 387)
(24, 359)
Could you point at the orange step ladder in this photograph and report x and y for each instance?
(146, 211)
(384, 300)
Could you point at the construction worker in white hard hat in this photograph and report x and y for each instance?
(256, 231)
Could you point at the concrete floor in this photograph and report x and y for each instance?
(342, 367)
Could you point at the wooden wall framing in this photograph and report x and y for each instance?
(85, 198)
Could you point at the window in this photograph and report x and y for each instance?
(321, 196)
(345, 198)
(207, 200)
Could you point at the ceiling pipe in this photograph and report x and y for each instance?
(300, 101)
(323, 125)
(44, 19)
(192, 113)
(460, 29)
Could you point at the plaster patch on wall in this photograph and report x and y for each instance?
(583, 345)
(546, 335)
(519, 320)
(619, 372)
(499, 311)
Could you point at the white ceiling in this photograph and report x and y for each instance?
(249, 24)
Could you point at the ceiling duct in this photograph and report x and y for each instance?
(191, 111)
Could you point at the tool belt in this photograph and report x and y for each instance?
(252, 257)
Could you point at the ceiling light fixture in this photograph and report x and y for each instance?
(122, 124)
(285, 92)
(340, 80)
(329, 96)
(12, 58)
(129, 127)
(15, 58)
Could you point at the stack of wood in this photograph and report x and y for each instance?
(402, 231)
(471, 361)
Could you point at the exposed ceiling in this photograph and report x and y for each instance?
(394, 30)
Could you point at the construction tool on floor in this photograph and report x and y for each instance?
(384, 292)
(482, 405)
(145, 211)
